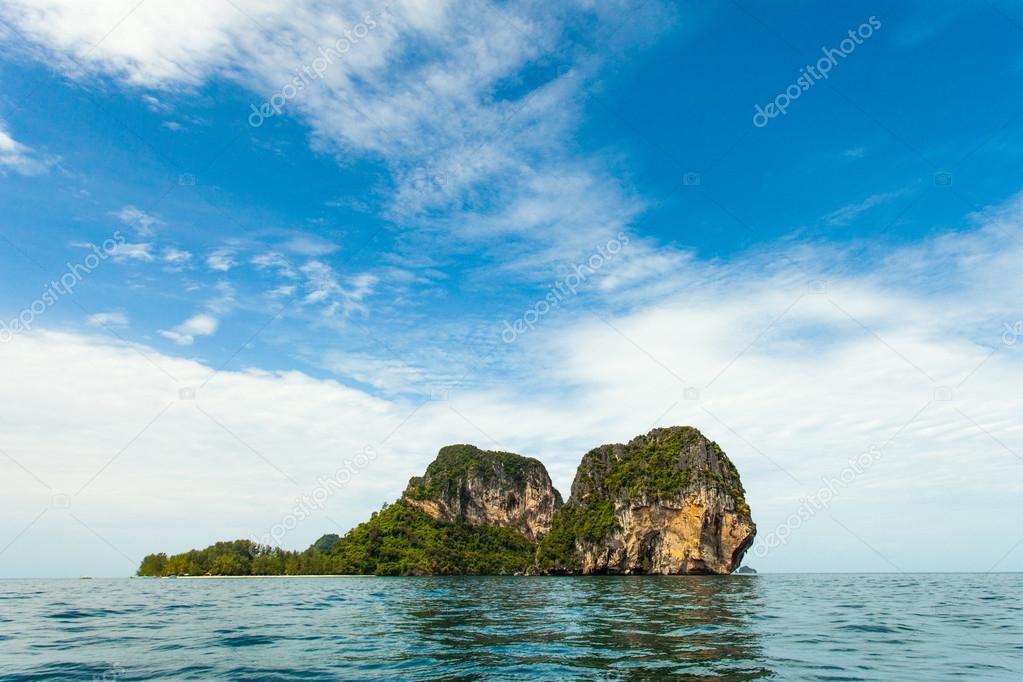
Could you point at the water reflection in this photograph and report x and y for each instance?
(803, 627)
(600, 627)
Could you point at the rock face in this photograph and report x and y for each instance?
(486, 488)
(665, 503)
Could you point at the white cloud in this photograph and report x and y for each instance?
(198, 325)
(195, 37)
(221, 259)
(309, 245)
(325, 287)
(387, 374)
(156, 105)
(139, 220)
(276, 261)
(850, 212)
(129, 251)
(224, 301)
(177, 258)
(282, 291)
(20, 158)
(111, 319)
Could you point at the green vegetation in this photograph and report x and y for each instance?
(591, 523)
(326, 542)
(403, 540)
(237, 557)
(455, 464)
(659, 468)
(652, 470)
(398, 540)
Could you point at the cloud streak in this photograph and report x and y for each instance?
(20, 158)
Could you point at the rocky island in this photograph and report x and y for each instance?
(668, 502)
(485, 488)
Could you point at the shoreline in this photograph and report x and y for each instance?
(250, 577)
(443, 575)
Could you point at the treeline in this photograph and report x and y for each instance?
(237, 557)
(398, 540)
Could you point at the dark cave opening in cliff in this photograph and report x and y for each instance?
(647, 552)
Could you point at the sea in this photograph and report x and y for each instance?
(762, 627)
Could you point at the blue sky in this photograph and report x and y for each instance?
(801, 291)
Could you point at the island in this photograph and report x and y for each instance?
(667, 502)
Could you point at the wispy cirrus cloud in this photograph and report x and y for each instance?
(275, 261)
(108, 319)
(143, 223)
(176, 259)
(224, 299)
(387, 374)
(310, 245)
(431, 90)
(282, 291)
(849, 212)
(20, 158)
(221, 259)
(336, 297)
(127, 251)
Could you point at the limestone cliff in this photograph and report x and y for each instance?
(486, 488)
(667, 502)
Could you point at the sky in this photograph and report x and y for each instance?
(260, 260)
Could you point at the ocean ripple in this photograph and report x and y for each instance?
(777, 627)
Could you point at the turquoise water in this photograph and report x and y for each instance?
(785, 627)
